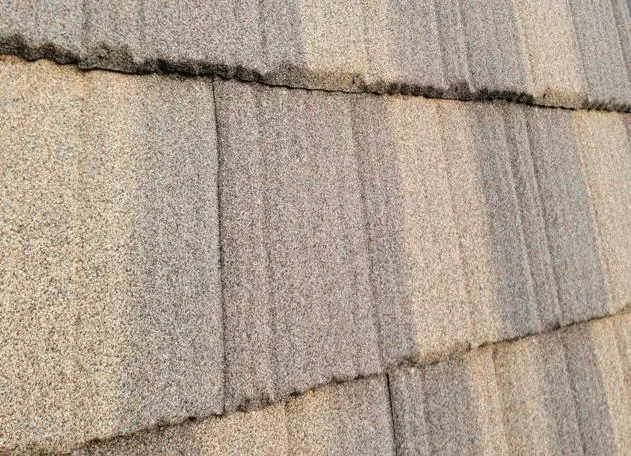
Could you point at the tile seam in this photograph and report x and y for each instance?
(162, 68)
(220, 246)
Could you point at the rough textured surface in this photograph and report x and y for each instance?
(556, 52)
(161, 264)
(111, 316)
(258, 433)
(352, 418)
(531, 211)
(304, 199)
(568, 215)
(606, 158)
(500, 288)
(565, 392)
(413, 239)
(450, 407)
(601, 48)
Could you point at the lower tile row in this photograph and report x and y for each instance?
(565, 392)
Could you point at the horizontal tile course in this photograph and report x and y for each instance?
(555, 393)
(111, 313)
(554, 52)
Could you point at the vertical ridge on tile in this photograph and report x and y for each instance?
(494, 47)
(449, 407)
(513, 300)
(453, 45)
(603, 406)
(248, 319)
(452, 423)
(621, 13)
(407, 396)
(177, 323)
(384, 196)
(441, 315)
(548, 313)
(568, 214)
(560, 404)
(487, 217)
(415, 45)
(486, 402)
(105, 282)
(351, 418)
(622, 324)
(606, 160)
(469, 207)
(319, 259)
(538, 407)
(605, 70)
(551, 49)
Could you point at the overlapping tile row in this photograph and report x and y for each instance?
(557, 52)
(351, 418)
(564, 392)
(162, 263)
(110, 314)
(361, 232)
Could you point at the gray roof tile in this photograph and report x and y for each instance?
(598, 383)
(306, 198)
(556, 67)
(539, 409)
(494, 47)
(548, 312)
(450, 407)
(413, 237)
(601, 50)
(500, 290)
(568, 213)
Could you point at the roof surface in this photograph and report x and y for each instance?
(195, 263)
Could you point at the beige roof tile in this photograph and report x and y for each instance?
(113, 319)
(347, 419)
(606, 158)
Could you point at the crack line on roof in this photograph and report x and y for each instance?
(199, 69)
(218, 192)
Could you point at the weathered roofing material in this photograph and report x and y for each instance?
(357, 233)
(606, 159)
(555, 52)
(558, 393)
(111, 315)
(313, 253)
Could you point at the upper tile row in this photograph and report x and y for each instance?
(356, 232)
(558, 52)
